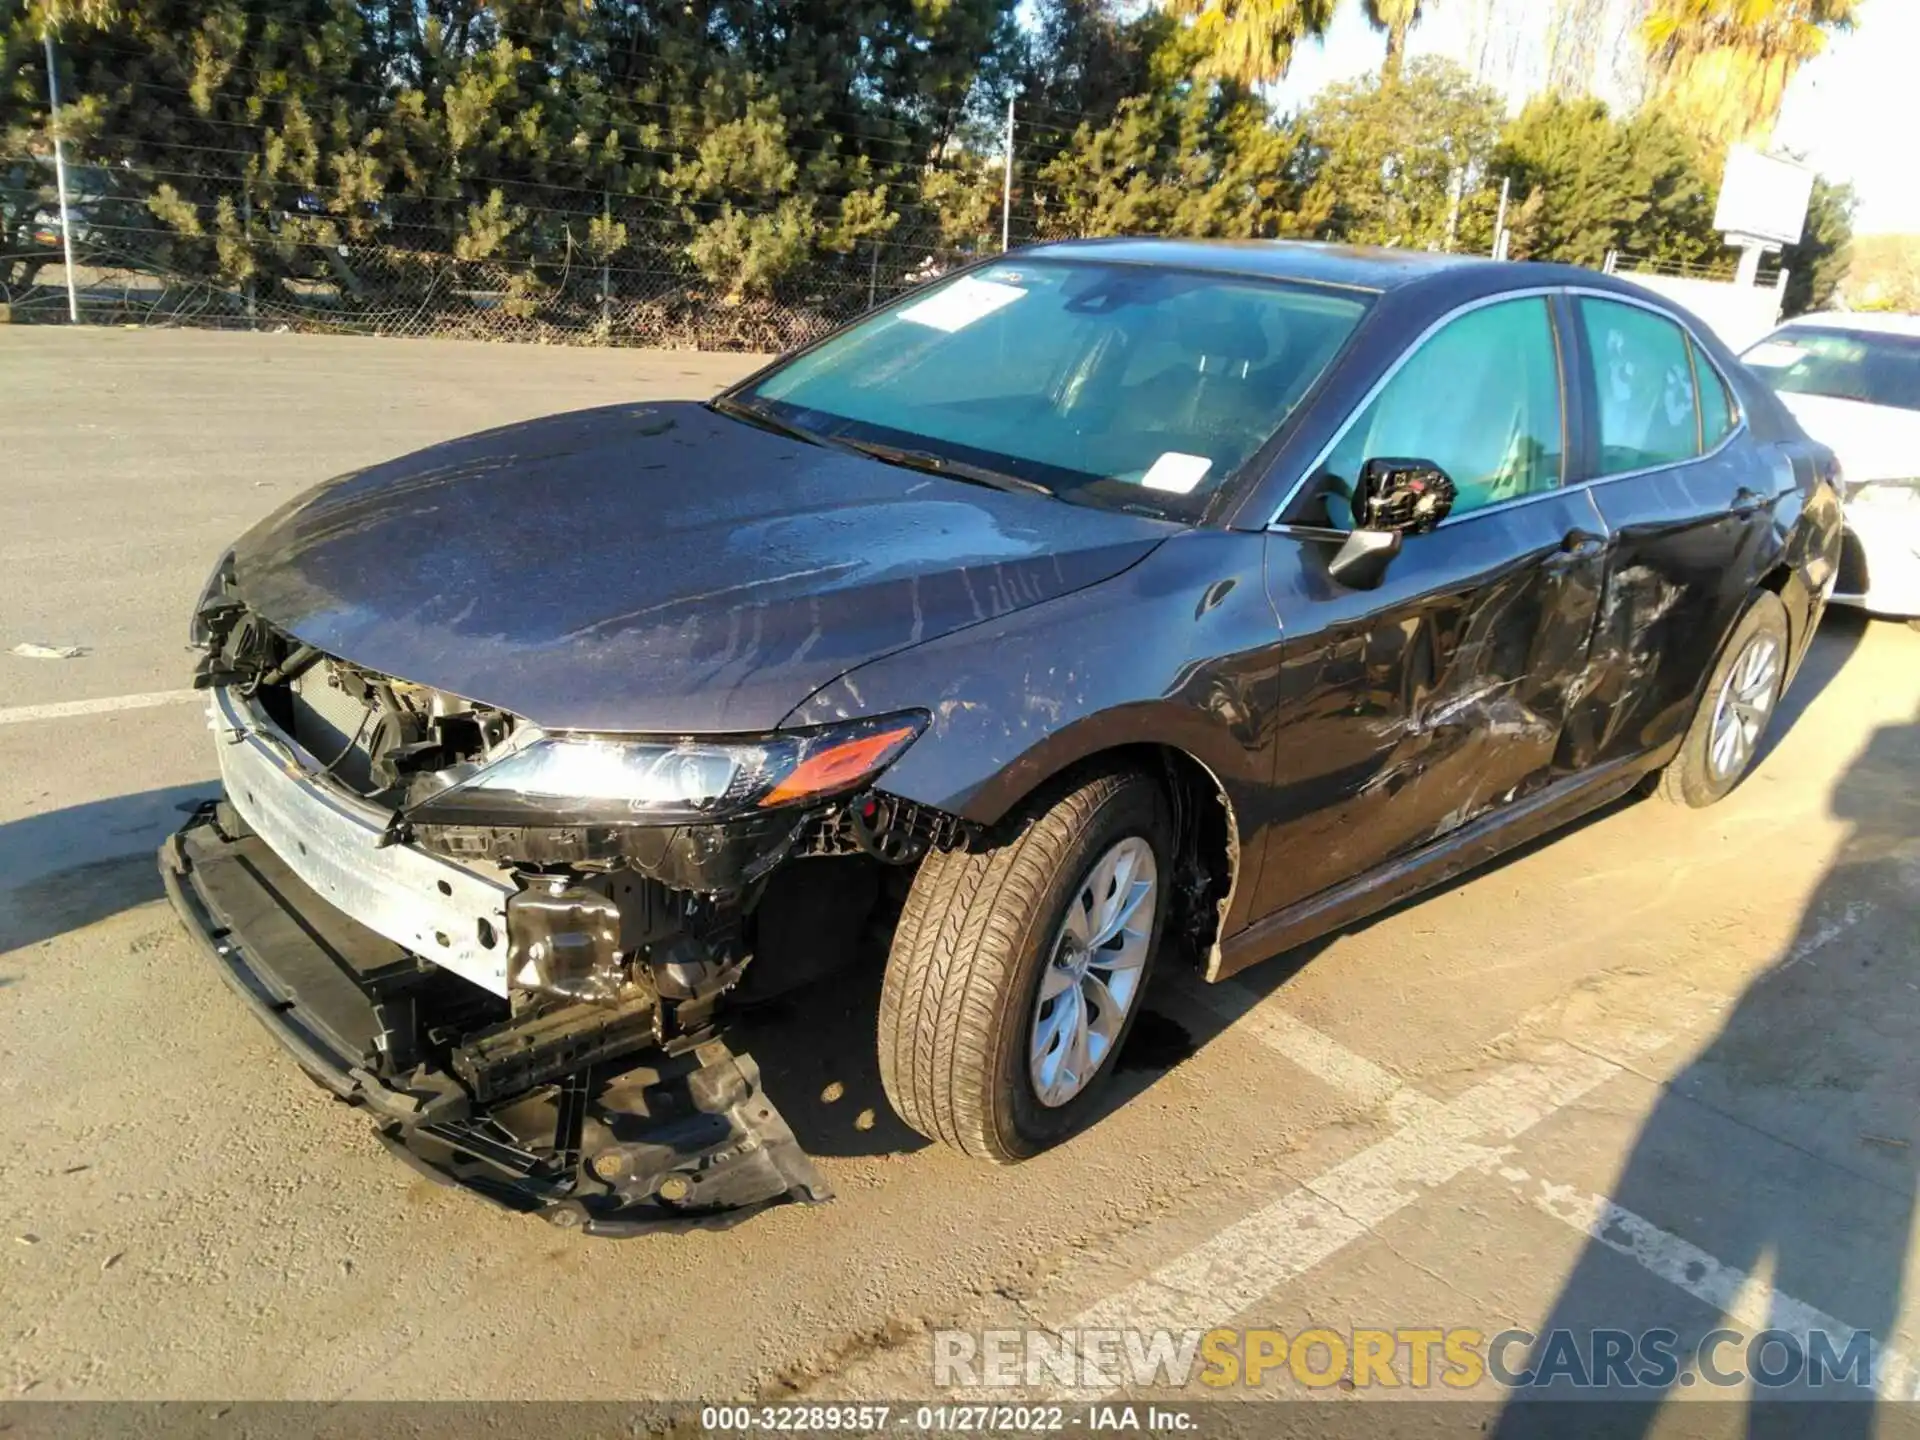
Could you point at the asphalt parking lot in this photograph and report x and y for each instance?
(1660, 1070)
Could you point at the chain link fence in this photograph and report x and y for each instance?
(602, 270)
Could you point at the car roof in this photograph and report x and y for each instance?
(1866, 322)
(1356, 267)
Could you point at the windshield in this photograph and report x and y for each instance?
(1846, 364)
(1115, 385)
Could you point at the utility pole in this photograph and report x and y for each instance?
(1006, 187)
(60, 178)
(246, 230)
(606, 266)
(1500, 220)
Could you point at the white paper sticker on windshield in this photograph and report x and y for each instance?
(1176, 472)
(964, 301)
(1773, 355)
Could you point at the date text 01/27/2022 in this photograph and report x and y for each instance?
(945, 1419)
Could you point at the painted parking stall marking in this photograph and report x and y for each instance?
(1434, 1143)
(72, 709)
(1736, 1294)
(1214, 1281)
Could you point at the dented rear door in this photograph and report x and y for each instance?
(1690, 501)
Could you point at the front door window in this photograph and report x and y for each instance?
(1480, 398)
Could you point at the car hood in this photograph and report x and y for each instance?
(656, 568)
(1874, 442)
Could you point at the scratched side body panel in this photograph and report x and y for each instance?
(1182, 650)
(1408, 710)
(1810, 523)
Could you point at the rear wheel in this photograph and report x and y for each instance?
(1735, 709)
(1016, 971)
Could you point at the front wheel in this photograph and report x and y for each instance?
(1016, 971)
(1735, 708)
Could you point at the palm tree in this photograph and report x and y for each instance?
(1396, 17)
(1721, 67)
(1251, 42)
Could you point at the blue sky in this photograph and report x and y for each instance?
(1849, 111)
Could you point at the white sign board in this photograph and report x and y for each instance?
(1763, 198)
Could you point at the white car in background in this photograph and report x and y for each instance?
(1853, 382)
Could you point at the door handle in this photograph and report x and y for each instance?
(1578, 543)
(1575, 546)
(1745, 501)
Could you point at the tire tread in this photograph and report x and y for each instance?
(957, 949)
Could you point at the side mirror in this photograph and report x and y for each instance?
(1400, 496)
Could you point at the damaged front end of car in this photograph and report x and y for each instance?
(513, 947)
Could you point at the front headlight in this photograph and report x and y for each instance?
(610, 780)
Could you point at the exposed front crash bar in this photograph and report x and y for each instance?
(619, 1145)
(453, 914)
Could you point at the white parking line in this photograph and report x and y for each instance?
(1218, 1279)
(1315, 1052)
(1242, 1264)
(67, 709)
(1737, 1295)
(1573, 1051)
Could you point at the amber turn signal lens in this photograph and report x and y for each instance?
(840, 766)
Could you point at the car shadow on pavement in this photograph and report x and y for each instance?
(66, 869)
(1787, 1149)
(819, 1063)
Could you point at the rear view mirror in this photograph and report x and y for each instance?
(1401, 496)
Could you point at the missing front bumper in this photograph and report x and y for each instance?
(629, 1139)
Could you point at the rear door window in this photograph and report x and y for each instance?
(1643, 374)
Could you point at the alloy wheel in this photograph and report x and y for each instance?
(1092, 976)
(1741, 710)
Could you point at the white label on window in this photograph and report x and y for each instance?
(1773, 355)
(960, 304)
(1177, 472)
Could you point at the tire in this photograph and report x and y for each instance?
(1743, 691)
(961, 1007)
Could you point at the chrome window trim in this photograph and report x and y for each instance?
(1738, 428)
(1463, 518)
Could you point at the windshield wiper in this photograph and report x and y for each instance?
(931, 464)
(922, 460)
(767, 420)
